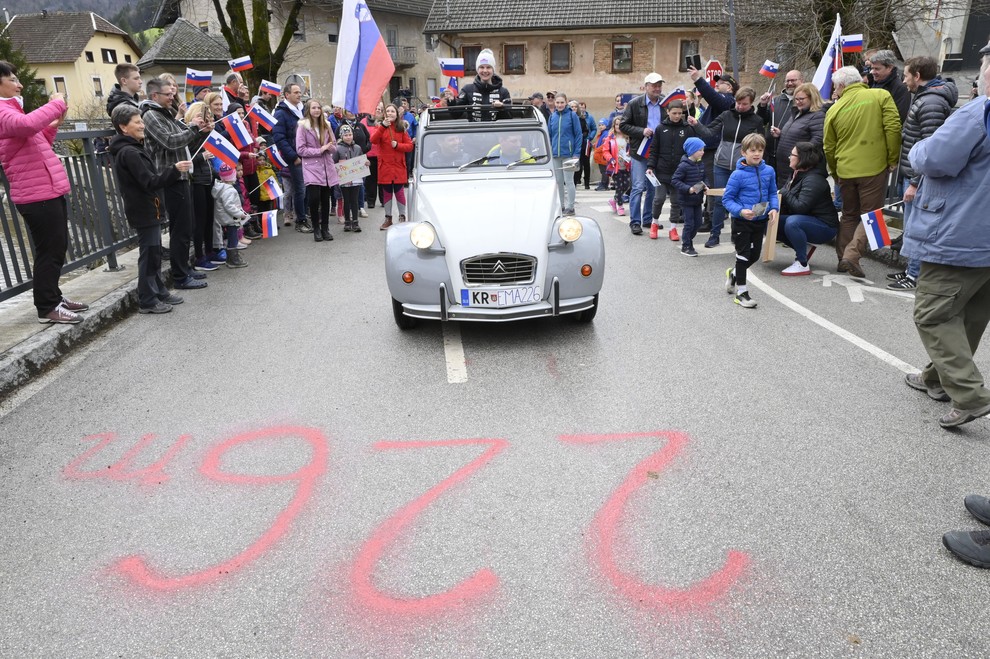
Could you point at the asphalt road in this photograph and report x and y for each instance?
(275, 469)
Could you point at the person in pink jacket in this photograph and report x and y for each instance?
(38, 185)
(315, 145)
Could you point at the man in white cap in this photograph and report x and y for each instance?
(640, 118)
(486, 90)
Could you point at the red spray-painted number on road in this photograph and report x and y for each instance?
(136, 567)
(121, 469)
(606, 522)
(477, 585)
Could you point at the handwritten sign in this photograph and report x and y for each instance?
(353, 169)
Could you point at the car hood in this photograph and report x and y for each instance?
(483, 216)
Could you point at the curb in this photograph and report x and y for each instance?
(34, 356)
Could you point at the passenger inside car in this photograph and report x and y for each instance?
(509, 150)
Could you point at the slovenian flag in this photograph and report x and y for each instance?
(769, 69)
(364, 66)
(271, 87)
(276, 158)
(238, 131)
(271, 187)
(876, 229)
(452, 67)
(218, 145)
(241, 64)
(269, 224)
(852, 43)
(831, 61)
(262, 117)
(644, 147)
(452, 86)
(677, 94)
(196, 78)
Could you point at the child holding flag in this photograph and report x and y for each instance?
(750, 197)
(229, 213)
(689, 182)
(618, 164)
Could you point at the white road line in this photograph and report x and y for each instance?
(861, 343)
(453, 352)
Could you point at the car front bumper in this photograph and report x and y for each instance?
(552, 306)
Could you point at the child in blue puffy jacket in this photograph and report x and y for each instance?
(689, 181)
(750, 198)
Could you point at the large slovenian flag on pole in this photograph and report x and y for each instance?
(831, 61)
(876, 229)
(364, 66)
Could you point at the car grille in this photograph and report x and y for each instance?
(498, 270)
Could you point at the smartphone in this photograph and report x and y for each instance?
(693, 60)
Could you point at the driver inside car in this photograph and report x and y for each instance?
(450, 152)
(509, 150)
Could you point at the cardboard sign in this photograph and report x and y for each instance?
(353, 169)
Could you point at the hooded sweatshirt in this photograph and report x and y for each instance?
(139, 182)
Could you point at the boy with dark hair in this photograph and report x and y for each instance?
(127, 87)
(750, 197)
(139, 186)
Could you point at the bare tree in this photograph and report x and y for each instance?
(255, 39)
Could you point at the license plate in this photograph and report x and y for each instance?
(502, 297)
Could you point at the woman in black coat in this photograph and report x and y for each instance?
(806, 209)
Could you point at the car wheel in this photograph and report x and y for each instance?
(404, 322)
(588, 315)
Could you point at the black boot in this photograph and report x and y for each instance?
(325, 227)
(317, 234)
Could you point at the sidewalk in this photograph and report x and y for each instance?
(28, 348)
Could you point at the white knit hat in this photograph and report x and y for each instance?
(485, 57)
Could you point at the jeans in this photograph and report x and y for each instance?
(692, 220)
(49, 226)
(295, 174)
(178, 204)
(718, 213)
(802, 229)
(914, 265)
(565, 184)
(151, 287)
(642, 192)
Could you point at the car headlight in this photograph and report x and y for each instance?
(422, 235)
(570, 230)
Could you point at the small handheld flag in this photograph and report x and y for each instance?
(238, 131)
(271, 187)
(452, 67)
(262, 117)
(271, 87)
(852, 43)
(769, 69)
(452, 86)
(241, 64)
(218, 145)
(644, 147)
(269, 224)
(677, 94)
(876, 229)
(196, 78)
(275, 156)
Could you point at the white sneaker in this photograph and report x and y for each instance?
(241, 245)
(362, 213)
(796, 270)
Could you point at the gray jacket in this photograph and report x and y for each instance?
(930, 108)
(803, 126)
(949, 223)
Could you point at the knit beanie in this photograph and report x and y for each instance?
(485, 57)
(693, 144)
(344, 128)
(227, 175)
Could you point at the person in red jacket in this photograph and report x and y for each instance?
(393, 144)
(38, 185)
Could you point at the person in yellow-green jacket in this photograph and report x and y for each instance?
(862, 145)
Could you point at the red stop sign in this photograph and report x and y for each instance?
(713, 69)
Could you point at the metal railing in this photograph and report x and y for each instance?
(97, 227)
(403, 55)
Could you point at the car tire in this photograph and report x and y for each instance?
(588, 315)
(403, 321)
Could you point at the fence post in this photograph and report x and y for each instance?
(102, 207)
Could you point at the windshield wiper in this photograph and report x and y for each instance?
(535, 157)
(476, 161)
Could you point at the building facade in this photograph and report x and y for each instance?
(80, 62)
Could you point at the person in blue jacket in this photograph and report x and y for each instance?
(689, 181)
(750, 197)
(289, 112)
(565, 143)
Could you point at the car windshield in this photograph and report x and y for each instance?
(462, 149)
